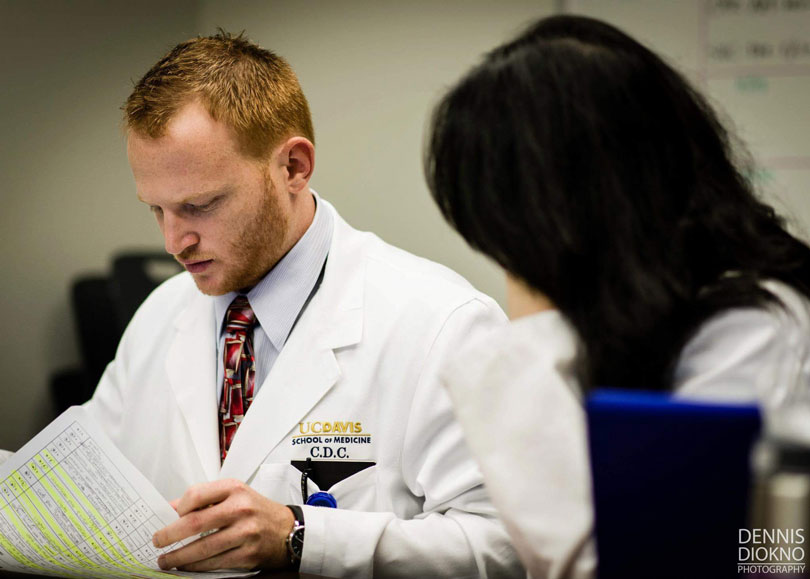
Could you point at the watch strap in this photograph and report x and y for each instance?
(298, 528)
(298, 513)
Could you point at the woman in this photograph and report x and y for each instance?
(608, 190)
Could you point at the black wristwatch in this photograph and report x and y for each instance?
(295, 540)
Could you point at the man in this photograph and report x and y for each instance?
(293, 344)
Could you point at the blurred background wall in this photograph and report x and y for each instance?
(67, 196)
(371, 71)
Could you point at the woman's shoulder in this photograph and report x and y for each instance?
(750, 354)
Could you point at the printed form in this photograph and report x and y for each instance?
(71, 505)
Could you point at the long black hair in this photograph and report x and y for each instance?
(586, 166)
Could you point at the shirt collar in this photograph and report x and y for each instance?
(279, 297)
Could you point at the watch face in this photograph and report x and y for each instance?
(297, 541)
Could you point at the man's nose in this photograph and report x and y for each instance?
(177, 234)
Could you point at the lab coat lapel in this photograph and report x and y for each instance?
(307, 367)
(191, 367)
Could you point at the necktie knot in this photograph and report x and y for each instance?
(240, 316)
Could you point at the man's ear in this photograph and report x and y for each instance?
(298, 160)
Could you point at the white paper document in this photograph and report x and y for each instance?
(71, 505)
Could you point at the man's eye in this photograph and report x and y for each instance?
(156, 210)
(204, 208)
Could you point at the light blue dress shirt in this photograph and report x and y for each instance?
(280, 298)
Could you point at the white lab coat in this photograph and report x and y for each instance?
(534, 450)
(363, 358)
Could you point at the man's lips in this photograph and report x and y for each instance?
(196, 266)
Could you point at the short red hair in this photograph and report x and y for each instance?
(252, 90)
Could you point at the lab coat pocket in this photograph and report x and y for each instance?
(357, 492)
(279, 482)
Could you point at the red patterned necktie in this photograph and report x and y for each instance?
(240, 370)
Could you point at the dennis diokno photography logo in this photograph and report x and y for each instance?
(771, 551)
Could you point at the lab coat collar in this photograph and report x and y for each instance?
(304, 372)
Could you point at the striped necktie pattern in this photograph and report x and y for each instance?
(240, 371)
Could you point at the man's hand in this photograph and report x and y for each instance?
(251, 530)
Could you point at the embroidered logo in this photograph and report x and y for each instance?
(332, 439)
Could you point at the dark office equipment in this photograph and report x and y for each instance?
(671, 484)
(134, 276)
(102, 307)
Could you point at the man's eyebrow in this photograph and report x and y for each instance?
(195, 198)
(206, 196)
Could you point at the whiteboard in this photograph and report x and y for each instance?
(751, 58)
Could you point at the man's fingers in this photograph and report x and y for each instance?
(196, 507)
(250, 529)
(191, 524)
(206, 551)
(205, 494)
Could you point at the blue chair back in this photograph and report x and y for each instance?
(671, 483)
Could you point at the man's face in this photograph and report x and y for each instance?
(224, 216)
